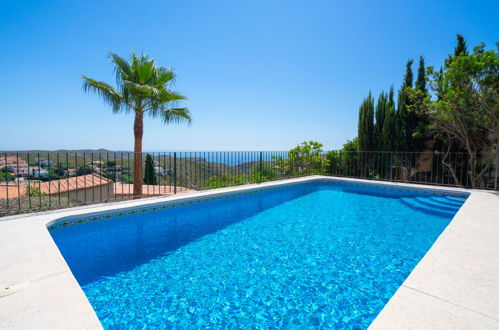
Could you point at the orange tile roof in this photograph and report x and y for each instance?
(55, 186)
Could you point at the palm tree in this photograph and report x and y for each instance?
(142, 88)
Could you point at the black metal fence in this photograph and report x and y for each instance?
(31, 182)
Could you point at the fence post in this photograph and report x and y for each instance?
(391, 166)
(174, 173)
(497, 172)
(261, 167)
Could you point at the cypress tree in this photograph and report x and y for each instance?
(421, 80)
(461, 48)
(391, 101)
(366, 124)
(404, 117)
(388, 131)
(420, 127)
(149, 175)
(381, 107)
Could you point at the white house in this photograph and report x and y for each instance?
(38, 171)
(159, 170)
(44, 162)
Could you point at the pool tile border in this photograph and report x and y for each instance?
(72, 221)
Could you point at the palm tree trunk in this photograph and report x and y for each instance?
(138, 131)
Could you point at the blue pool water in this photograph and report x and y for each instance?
(318, 255)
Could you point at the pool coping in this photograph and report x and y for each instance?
(464, 294)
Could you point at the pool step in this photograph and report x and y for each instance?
(431, 205)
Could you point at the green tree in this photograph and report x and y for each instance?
(366, 124)
(461, 48)
(264, 172)
(149, 174)
(305, 159)
(389, 129)
(420, 128)
(405, 119)
(421, 79)
(111, 163)
(6, 174)
(467, 111)
(382, 111)
(345, 161)
(84, 169)
(143, 89)
(34, 191)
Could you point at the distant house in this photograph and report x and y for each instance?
(70, 172)
(97, 165)
(15, 164)
(38, 171)
(114, 168)
(44, 162)
(159, 170)
(88, 188)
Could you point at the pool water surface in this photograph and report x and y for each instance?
(316, 255)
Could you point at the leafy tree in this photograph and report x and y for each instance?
(264, 172)
(467, 109)
(345, 161)
(34, 191)
(111, 163)
(6, 174)
(149, 175)
(84, 169)
(224, 180)
(305, 159)
(366, 124)
(142, 88)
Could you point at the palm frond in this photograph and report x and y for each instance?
(175, 115)
(145, 91)
(168, 95)
(106, 92)
(122, 68)
(165, 76)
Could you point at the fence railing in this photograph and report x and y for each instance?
(31, 182)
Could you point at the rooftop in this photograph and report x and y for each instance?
(55, 186)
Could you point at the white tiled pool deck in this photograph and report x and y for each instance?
(455, 286)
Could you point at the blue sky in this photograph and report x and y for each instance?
(259, 75)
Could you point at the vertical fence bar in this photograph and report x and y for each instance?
(29, 184)
(261, 167)
(39, 184)
(18, 184)
(48, 163)
(6, 171)
(175, 172)
(59, 169)
(67, 177)
(496, 176)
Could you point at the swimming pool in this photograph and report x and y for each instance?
(320, 254)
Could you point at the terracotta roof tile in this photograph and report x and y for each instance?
(56, 186)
